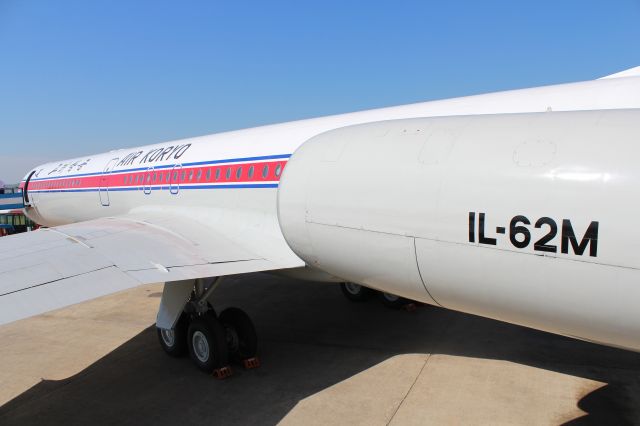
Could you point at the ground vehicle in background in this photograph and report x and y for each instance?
(12, 218)
(14, 222)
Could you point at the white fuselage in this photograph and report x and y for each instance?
(57, 201)
(418, 250)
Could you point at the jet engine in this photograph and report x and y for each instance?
(518, 217)
(348, 199)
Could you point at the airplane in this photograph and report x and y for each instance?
(518, 206)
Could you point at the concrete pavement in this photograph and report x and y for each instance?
(325, 361)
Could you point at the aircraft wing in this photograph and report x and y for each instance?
(55, 267)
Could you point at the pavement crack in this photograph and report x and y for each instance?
(410, 389)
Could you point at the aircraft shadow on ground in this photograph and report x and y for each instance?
(310, 338)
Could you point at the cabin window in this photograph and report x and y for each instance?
(199, 174)
(278, 169)
(250, 175)
(265, 171)
(191, 175)
(228, 173)
(238, 173)
(218, 174)
(208, 174)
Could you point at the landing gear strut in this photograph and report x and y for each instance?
(211, 340)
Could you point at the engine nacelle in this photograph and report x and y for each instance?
(526, 218)
(344, 203)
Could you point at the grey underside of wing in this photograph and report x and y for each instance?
(52, 268)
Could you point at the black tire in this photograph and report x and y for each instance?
(206, 343)
(174, 342)
(392, 301)
(241, 336)
(355, 292)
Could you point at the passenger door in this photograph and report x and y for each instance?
(103, 186)
(174, 179)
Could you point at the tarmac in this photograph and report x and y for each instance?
(325, 360)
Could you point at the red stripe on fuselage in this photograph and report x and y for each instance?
(253, 172)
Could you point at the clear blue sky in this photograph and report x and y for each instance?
(78, 77)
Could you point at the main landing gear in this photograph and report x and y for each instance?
(358, 293)
(212, 341)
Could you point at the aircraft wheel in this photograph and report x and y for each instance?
(393, 301)
(206, 343)
(241, 337)
(174, 342)
(355, 292)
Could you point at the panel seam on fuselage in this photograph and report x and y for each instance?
(478, 246)
(426, 288)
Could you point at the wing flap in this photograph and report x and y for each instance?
(55, 294)
(52, 268)
(178, 273)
